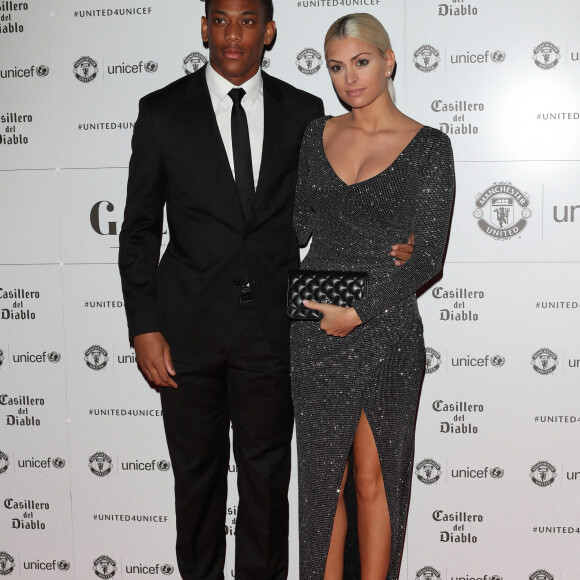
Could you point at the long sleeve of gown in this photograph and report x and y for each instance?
(433, 202)
(304, 214)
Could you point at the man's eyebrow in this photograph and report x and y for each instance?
(245, 13)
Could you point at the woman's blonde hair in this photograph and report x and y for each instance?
(365, 27)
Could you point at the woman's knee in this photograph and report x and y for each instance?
(369, 485)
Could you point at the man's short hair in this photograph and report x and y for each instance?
(268, 6)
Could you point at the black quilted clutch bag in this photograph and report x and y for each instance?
(338, 288)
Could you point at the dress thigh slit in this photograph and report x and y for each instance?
(333, 380)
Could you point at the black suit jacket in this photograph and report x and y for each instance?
(179, 161)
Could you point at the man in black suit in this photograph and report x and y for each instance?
(224, 164)
(218, 295)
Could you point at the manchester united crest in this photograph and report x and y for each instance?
(428, 471)
(105, 567)
(309, 61)
(546, 55)
(6, 564)
(193, 62)
(100, 464)
(426, 58)
(85, 69)
(427, 573)
(544, 361)
(502, 211)
(96, 357)
(541, 575)
(432, 360)
(543, 474)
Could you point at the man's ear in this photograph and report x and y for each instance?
(270, 33)
(204, 29)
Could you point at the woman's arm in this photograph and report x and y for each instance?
(433, 206)
(304, 215)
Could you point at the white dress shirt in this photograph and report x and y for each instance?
(253, 103)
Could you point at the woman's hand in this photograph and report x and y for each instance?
(402, 252)
(337, 321)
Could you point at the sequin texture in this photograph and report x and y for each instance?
(379, 366)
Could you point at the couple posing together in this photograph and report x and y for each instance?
(248, 168)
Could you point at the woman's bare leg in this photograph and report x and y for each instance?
(374, 523)
(335, 559)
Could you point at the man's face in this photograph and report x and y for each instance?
(236, 32)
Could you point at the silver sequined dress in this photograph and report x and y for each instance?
(378, 367)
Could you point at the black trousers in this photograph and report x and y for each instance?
(244, 382)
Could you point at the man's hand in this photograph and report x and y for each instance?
(402, 252)
(337, 321)
(154, 358)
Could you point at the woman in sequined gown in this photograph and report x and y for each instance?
(366, 180)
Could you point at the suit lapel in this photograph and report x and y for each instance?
(274, 120)
(206, 140)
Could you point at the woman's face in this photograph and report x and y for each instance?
(358, 71)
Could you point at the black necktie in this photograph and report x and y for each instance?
(242, 151)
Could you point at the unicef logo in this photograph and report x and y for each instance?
(432, 360)
(428, 471)
(163, 465)
(541, 575)
(426, 58)
(544, 361)
(6, 564)
(1, 357)
(58, 462)
(543, 474)
(151, 66)
(167, 569)
(266, 62)
(309, 61)
(85, 69)
(193, 62)
(63, 565)
(100, 464)
(498, 56)
(42, 70)
(54, 357)
(496, 472)
(427, 573)
(96, 357)
(4, 462)
(497, 360)
(105, 567)
(502, 211)
(546, 55)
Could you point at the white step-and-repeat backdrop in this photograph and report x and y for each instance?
(85, 480)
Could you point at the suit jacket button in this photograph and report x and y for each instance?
(236, 282)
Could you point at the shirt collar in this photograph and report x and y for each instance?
(220, 86)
